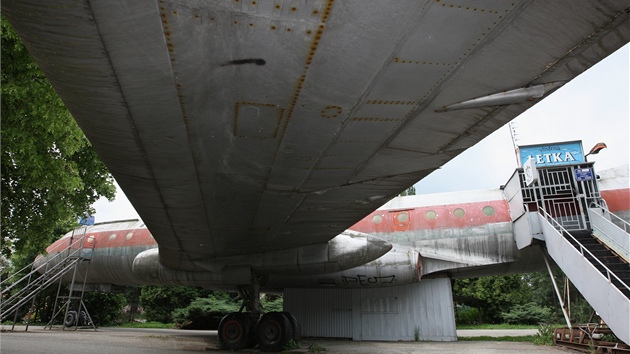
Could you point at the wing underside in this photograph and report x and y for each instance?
(237, 127)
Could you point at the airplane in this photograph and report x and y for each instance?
(408, 240)
(243, 127)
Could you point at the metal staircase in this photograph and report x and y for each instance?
(599, 274)
(23, 286)
(590, 244)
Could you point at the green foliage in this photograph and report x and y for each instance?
(271, 303)
(527, 298)
(316, 348)
(291, 344)
(466, 315)
(529, 313)
(527, 339)
(105, 308)
(205, 313)
(497, 326)
(409, 191)
(159, 302)
(497, 294)
(544, 335)
(148, 324)
(50, 174)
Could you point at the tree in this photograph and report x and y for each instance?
(105, 308)
(497, 294)
(409, 191)
(50, 173)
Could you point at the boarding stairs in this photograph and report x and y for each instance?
(24, 285)
(589, 244)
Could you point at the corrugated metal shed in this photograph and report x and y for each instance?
(323, 313)
(419, 311)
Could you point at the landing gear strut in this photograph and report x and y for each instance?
(272, 332)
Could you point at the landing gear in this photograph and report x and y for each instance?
(272, 332)
(236, 331)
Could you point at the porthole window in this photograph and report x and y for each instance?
(459, 212)
(90, 239)
(488, 210)
(112, 237)
(430, 215)
(377, 219)
(129, 236)
(403, 217)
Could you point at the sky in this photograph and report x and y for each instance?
(594, 107)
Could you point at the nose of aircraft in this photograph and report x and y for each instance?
(39, 261)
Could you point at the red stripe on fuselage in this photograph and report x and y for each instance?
(420, 218)
(435, 217)
(111, 238)
(617, 199)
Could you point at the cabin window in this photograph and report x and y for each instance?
(112, 237)
(403, 217)
(129, 236)
(459, 212)
(430, 215)
(377, 219)
(488, 210)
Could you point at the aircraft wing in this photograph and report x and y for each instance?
(245, 126)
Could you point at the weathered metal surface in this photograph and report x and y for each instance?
(420, 311)
(445, 243)
(587, 338)
(239, 127)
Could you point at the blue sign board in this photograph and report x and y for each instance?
(584, 174)
(554, 154)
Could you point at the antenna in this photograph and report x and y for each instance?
(514, 135)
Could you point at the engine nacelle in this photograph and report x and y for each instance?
(348, 250)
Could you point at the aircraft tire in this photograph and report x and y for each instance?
(236, 331)
(273, 332)
(297, 330)
(70, 319)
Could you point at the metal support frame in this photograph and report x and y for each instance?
(71, 289)
(17, 293)
(555, 287)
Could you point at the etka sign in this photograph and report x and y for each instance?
(553, 154)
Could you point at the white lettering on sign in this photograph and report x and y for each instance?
(551, 158)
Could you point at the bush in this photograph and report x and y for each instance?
(529, 313)
(466, 315)
(105, 308)
(205, 313)
(271, 303)
(159, 302)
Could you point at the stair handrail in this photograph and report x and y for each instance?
(626, 225)
(583, 250)
(55, 271)
(58, 255)
(21, 301)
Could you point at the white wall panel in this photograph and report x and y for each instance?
(422, 311)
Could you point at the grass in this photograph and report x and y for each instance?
(146, 325)
(502, 326)
(526, 339)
